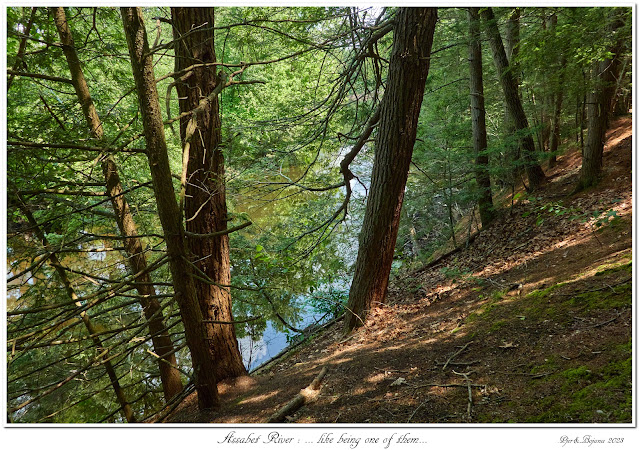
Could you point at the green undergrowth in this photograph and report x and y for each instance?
(588, 387)
(587, 394)
(557, 303)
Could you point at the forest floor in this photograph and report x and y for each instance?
(532, 322)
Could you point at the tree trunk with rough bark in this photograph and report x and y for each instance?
(202, 355)
(509, 86)
(599, 102)
(407, 72)
(162, 344)
(478, 117)
(205, 200)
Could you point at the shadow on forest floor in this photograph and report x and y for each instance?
(536, 314)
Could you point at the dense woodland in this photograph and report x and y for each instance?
(183, 179)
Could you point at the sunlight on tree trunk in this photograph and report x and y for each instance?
(408, 69)
(205, 200)
(202, 355)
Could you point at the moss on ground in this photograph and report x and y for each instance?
(564, 390)
(588, 396)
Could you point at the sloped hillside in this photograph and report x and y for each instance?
(531, 323)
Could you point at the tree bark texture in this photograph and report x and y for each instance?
(205, 201)
(599, 101)
(513, 103)
(202, 355)
(162, 344)
(478, 117)
(408, 70)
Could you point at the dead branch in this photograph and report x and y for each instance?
(470, 392)
(455, 354)
(306, 395)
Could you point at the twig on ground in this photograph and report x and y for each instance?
(417, 409)
(460, 363)
(470, 392)
(602, 323)
(456, 354)
(392, 370)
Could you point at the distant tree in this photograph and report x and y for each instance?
(510, 89)
(600, 98)
(478, 113)
(400, 107)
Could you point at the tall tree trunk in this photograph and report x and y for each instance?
(127, 411)
(162, 344)
(205, 200)
(556, 120)
(478, 115)
(202, 355)
(511, 93)
(599, 101)
(546, 95)
(408, 69)
(511, 46)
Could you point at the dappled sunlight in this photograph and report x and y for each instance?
(377, 377)
(259, 398)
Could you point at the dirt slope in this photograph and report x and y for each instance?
(531, 323)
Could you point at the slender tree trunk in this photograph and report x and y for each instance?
(162, 344)
(599, 102)
(19, 62)
(478, 116)
(511, 93)
(511, 46)
(556, 120)
(77, 76)
(205, 200)
(546, 97)
(408, 69)
(127, 411)
(202, 355)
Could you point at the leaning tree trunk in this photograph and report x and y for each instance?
(408, 69)
(511, 95)
(202, 355)
(162, 344)
(478, 115)
(205, 199)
